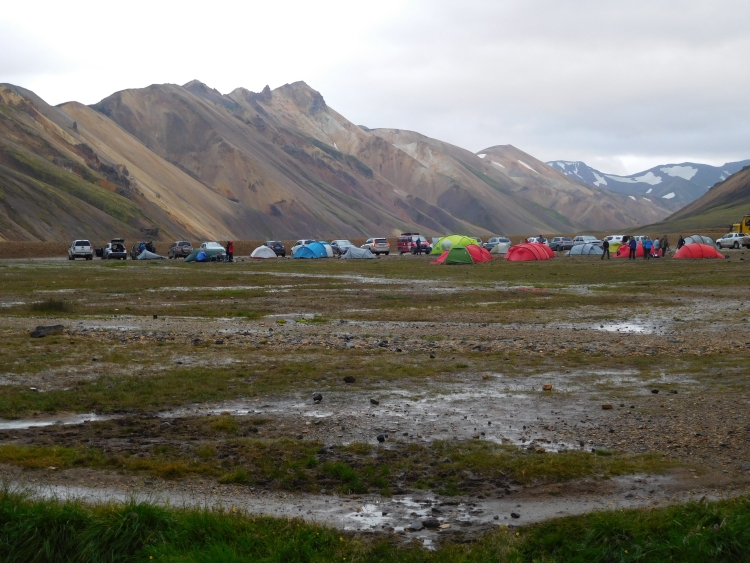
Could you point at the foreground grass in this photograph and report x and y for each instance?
(448, 468)
(51, 531)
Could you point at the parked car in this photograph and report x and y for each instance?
(407, 242)
(734, 240)
(377, 246)
(586, 239)
(277, 246)
(80, 249)
(180, 249)
(115, 250)
(540, 239)
(300, 243)
(561, 243)
(494, 241)
(217, 251)
(614, 238)
(340, 246)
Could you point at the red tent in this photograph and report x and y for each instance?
(478, 254)
(695, 251)
(440, 259)
(529, 251)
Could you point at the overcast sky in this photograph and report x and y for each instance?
(620, 85)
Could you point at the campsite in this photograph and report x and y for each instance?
(480, 397)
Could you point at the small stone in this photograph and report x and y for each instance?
(415, 527)
(381, 438)
(496, 518)
(444, 526)
(673, 391)
(746, 467)
(515, 515)
(607, 406)
(317, 397)
(655, 391)
(350, 345)
(547, 387)
(94, 359)
(218, 342)
(42, 331)
(374, 402)
(485, 376)
(399, 350)
(156, 316)
(164, 425)
(349, 379)
(432, 356)
(431, 523)
(34, 389)
(436, 510)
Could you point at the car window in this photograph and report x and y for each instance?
(83, 243)
(380, 240)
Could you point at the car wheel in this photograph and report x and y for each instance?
(386, 253)
(736, 244)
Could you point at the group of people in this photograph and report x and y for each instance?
(652, 248)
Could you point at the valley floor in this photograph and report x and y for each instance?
(455, 401)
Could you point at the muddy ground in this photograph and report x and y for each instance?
(639, 365)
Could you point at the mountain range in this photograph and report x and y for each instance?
(676, 185)
(171, 161)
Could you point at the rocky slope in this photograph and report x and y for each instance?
(191, 162)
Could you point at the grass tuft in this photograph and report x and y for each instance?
(52, 306)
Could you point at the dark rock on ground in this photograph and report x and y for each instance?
(374, 402)
(42, 331)
(349, 379)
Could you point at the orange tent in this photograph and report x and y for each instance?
(696, 251)
(479, 254)
(527, 251)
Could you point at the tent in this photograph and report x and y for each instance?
(312, 250)
(698, 239)
(500, 248)
(529, 251)
(696, 251)
(208, 252)
(446, 243)
(624, 251)
(469, 254)
(614, 246)
(357, 253)
(201, 257)
(328, 248)
(586, 249)
(478, 254)
(146, 255)
(263, 252)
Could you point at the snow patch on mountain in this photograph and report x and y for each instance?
(649, 178)
(497, 164)
(670, 195)
(527, 166)
(599, 180)
(650, 190)
(686, 172)
(632, 197)
(482, 155)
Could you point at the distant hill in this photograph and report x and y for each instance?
(676, 185)
(724, 204)
(171, 161)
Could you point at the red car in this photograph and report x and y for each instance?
(408, 242)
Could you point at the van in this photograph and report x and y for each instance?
(407, 242)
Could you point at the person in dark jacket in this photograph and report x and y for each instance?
(680, 242)
(230, 251)
(605, 248)
(664, 245)
(417, 246)
(632, 247)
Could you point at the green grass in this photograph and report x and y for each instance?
(52, 306)
(41, 531)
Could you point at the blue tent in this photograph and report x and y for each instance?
(312, 250)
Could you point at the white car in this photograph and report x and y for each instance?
(614, 238)
(586, 239)
(115, 250)
(80, 249)
(211, 246)
(734, 240)
(377, 246)
(300, 243)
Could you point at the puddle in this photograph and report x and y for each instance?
(24, 423)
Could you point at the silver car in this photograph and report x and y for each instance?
(733, 240)
(377, 246)
(80, 249)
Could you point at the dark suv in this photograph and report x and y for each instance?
(277, 246)
(408, 242)
(561, 243)
(180, 249)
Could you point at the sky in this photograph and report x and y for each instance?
(622, 86)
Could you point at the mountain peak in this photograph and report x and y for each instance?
(304, 97)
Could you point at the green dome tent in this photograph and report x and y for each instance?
(456, 255)
(451, 241)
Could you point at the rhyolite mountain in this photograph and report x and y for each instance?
(675, 184)
(187, 161)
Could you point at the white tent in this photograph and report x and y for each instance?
(354, 252)
(146, 255)
(263, 252)
(586, 249)
(500, 248)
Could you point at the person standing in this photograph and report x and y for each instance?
(605, 248)
(417, 246)
(680, 242)
(647, 245)
(632, 246)
(664, 245)
(656, 247)
(230, 251)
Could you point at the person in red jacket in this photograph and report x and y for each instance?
(230, 251)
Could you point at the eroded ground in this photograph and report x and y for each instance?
(197, 382)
